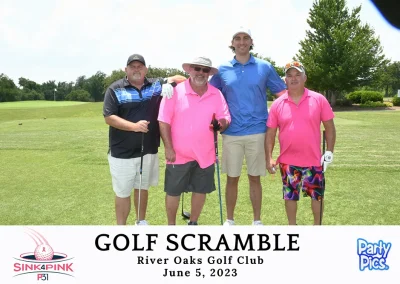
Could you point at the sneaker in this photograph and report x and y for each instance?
(192, 223)
(142, 223)
(229, 223)
(257, 223)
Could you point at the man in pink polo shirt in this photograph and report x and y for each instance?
(298, 114)
(188, 139)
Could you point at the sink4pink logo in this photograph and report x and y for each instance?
(43, 261)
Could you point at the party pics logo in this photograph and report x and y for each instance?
(373, 256)
(43, 261)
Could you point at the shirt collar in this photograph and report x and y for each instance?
(127, 84)
(189, 90)
(285, 96)
(251, 61)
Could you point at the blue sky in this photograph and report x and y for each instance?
(60, 40)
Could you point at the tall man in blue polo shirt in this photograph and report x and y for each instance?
(244, 81)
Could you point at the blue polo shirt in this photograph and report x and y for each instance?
(244, 87)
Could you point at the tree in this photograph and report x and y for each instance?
(63, 89)
(27, 84)
(115, 75)
(80, 82)
(388, 78)
(339, 52)
(79, 95)
(154, 72)
(278, 69)
(8, 90)
(48, 89)
(94, 85)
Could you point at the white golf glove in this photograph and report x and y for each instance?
(326, 159)
(167, 91)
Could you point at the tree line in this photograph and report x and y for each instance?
(91, 89)
(340, 54)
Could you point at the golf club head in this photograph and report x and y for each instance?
(185, 215)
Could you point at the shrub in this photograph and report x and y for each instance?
(372, 104)
(343, 102)
(371, 96)
(354, 97)
(396, 101)
(388, 104)
(31, 95)
(361, 97)
(78, 95)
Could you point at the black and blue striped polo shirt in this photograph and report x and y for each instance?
(128, 102)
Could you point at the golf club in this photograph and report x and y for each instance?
(323, 181)
(140, 179)
(141, 155)
(185, 214)
(217, 162)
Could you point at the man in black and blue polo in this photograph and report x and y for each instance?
(131, 109)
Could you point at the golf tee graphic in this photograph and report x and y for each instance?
(43, 261)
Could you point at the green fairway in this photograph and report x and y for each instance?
(54, 171)
(37, 104)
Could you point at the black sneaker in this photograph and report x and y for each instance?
(192, 223)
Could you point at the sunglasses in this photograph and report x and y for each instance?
(204, 69)
(294, 64)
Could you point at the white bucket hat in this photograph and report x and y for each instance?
(201, 61)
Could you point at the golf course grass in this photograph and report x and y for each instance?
(54, 171)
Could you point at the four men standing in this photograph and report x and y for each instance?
(237, 97)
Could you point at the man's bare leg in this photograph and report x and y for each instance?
(144, 196)
(255, 195)
(122, 209)
(291, 211)
(231, 194)
(316, 209)
(171, 205)
(198, 200)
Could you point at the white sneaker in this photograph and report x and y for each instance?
(257, 223)
(142, 223)
(229, 223)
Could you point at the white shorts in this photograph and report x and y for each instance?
(125, 174)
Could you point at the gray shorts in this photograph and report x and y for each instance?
(188, 177)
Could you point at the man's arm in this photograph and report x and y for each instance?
(269, 148)
(165, 132)
(330, 134)
(280, 93)
(110, 109)
(223, 115)
(122, 124)
(176, 78)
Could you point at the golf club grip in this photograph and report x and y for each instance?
(216, 142)
(323, 142)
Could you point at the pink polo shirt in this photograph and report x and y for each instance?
(300, 127)
(190, 117)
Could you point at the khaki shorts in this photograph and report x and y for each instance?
(235, 148)
(125, 174)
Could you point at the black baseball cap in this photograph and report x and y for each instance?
(136, 57)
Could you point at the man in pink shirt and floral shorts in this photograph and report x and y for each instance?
(188, 138)
(298, 115)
